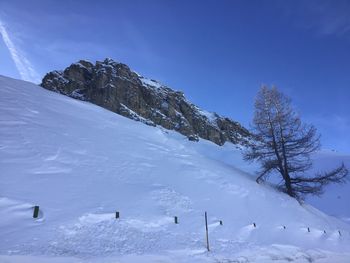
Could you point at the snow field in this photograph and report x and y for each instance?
(81, 164)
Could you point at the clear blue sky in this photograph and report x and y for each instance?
(217, 52)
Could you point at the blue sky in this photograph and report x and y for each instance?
(218, 52)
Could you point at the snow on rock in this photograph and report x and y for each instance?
(81, 163)
(209, 115)
(151, 83)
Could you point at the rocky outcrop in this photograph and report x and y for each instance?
(115, 87)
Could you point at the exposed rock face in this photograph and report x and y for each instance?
(115, 87)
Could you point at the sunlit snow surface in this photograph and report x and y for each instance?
(81, 164)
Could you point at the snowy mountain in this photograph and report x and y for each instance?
(116, 87)
(81, 164)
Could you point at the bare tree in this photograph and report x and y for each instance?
(282, 145)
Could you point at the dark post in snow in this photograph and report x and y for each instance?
(339, 232)
(36, 211)
(116, 215)
(284, 227)
(221, 223)
(175, 219)
(308, 229)
(206, 230)
(254, 224)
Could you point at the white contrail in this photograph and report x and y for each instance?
(23, 66)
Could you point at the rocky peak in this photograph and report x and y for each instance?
(116, 87)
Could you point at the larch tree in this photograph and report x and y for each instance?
(282, 145)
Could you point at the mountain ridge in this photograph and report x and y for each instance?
(116, 87)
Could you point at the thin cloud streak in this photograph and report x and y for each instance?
(330, 18)
(23, 65)
(322, 17)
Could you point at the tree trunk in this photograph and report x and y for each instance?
(288, 184)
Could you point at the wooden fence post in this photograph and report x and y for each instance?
(206, 230)
(116, 215)
(36, 211)
(175, 219)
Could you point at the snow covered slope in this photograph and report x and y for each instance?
(81, 163)
(335, 200)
